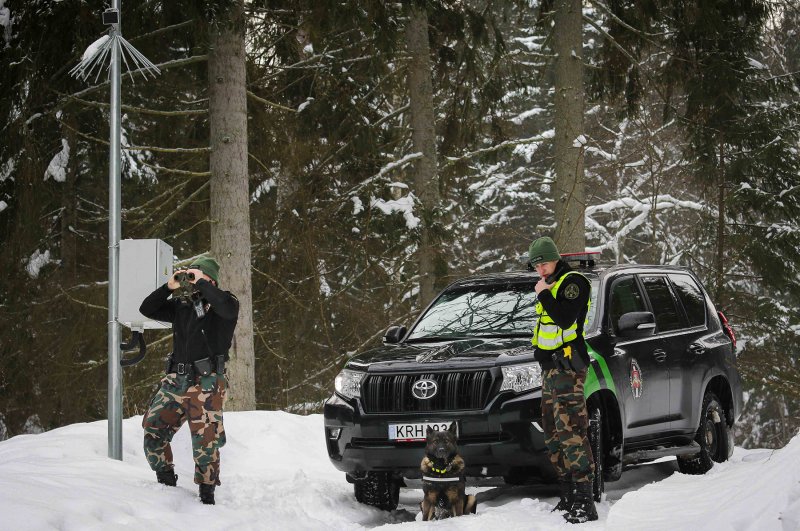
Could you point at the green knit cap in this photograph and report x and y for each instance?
(543, 250)
(207, 265)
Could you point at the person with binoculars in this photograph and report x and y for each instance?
(203, 320)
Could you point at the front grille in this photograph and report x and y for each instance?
(456, 391)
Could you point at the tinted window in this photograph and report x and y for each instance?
(625, 297)
(691, 297)
(664, 308)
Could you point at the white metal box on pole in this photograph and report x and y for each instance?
(144, 265)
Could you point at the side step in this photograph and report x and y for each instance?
(646, 455)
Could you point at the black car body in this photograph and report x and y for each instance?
(662, 381)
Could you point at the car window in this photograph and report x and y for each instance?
(480, 310)
(625, 297)
(691, 297)
(663, 303)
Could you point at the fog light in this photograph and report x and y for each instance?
(334, 434)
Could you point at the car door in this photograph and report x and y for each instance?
(689, 364)
(645, 378)
(671, 340)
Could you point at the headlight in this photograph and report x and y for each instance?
(521, 377)
(348, 383)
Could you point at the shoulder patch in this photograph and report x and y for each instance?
(571, 291)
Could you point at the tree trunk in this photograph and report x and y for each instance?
(423, 136)
(570, 206)
(230, 195)
(719, 268)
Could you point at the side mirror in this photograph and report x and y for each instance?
(636, 324)
(394, 334)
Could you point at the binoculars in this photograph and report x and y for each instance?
(188, 292)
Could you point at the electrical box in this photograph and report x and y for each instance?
(144, 265)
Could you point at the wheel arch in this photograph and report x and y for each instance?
(606, 401)
(721, 387)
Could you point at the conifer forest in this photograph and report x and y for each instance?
(348, 159)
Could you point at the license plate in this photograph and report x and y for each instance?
(416, 431)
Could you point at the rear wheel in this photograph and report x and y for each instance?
(713, 437)
(596, 443)
(379, 489)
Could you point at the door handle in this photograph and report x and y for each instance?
(697, 349)
(659, 355)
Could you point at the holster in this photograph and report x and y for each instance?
(573, 363)
(203, 367)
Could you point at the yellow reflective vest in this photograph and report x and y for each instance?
(547, 335)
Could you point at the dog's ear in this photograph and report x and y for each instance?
(428, 431)
(452, 429)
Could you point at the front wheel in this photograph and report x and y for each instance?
(379, 489)
(596, 444)
(713, 437)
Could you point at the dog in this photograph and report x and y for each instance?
(443, 478)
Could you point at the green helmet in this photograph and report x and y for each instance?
(207, 265)
(543, 250)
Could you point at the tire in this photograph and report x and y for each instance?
(596, 443)
(713, 437)
(378, 489)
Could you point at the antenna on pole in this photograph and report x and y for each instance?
(110, 49)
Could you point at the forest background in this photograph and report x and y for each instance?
(690, 154)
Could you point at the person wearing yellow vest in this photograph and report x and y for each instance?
(563, 298)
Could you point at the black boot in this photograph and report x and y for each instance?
(567, 494)
(207, 493)
(582, 509)
(167, 477)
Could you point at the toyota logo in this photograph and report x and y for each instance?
(424, 389)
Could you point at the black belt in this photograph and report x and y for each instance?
(182, 369)
(189, 369)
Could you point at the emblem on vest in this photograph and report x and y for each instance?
(572, 291)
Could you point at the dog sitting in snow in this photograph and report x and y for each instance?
(443, 478)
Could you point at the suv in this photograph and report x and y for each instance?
(662, 382)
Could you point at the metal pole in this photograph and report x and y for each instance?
(114, 235)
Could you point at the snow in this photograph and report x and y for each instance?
(36, 262)
(57, 169)
(404, 205)
(91, 50)
(305, 104)
(276, 475)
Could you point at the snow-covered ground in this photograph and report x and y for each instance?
(276, 475)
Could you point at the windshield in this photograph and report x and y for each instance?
(495, 310)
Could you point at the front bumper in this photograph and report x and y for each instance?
(504, 436)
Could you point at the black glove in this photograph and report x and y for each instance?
(568, 359)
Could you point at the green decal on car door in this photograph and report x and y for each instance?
(596, 380)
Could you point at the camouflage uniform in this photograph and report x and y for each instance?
(565, 424)
(178, 399)
(202, 335)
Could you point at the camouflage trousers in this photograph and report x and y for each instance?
(178, 399)
(565, 424)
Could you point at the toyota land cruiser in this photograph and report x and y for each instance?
(662, 382)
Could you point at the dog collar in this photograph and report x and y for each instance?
(440, 470)
(441, 480)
